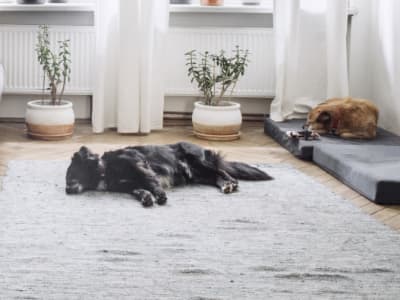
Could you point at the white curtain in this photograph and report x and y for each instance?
(129, 85)
(384, 61)
(311, 55)
(1, 80)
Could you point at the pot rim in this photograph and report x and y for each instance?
(37, 104)
(229, 105)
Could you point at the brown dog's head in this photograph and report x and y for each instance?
(319, 119)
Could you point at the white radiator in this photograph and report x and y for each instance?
(24, 76)
(23, 73)
(259, 78)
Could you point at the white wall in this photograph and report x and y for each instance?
(374, 67)
(14, 106)
(255, 89)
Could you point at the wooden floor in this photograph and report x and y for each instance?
(254, 146)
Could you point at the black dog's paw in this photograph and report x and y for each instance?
(147, 200)
(145, 197)
(229, 187)
(235, 185)
(161, 197)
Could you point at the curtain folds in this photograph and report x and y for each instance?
(311, 55)
(1, 80)
(129, 85)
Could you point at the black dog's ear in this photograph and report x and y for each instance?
(76, 157)
(324, 117)
(84, 151)
(83, 154)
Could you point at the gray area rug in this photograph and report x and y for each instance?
(286, 239)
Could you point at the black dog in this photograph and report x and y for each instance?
(145, 171)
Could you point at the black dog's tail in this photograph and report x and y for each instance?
(244, 171)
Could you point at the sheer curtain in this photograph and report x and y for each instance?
(129, 91)
(1, 80)
(311, 55)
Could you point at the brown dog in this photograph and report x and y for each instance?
(345, 117)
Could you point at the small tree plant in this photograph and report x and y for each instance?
(216, 74)
(56, 65)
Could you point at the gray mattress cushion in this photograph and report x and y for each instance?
(371, 167)
(304, 149)
(373, 171)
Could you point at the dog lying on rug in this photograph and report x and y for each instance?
(145, 171)
(345, 117)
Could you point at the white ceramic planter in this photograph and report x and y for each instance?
(49, 122)
(221, 122)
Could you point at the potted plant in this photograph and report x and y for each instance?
(216, 76)
(51, 119)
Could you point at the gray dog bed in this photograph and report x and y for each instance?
(371, 167)
(304, 149)
(373, 171)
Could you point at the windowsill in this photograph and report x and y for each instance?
(242, 9)
(48, 7)
(174, 8)
(352, 11)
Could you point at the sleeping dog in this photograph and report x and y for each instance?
(146, 171)
(348, 118)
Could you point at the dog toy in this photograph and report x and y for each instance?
(306, 134)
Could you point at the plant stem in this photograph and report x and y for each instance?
(223, 91)
(53, 93)
(62, 90)
(233, 88)
(44, 86)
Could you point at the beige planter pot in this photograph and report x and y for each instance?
(220, 123)
(49, 122)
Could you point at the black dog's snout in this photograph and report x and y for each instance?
(73, 188)
(70, 190)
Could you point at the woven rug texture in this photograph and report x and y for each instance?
(290, 238)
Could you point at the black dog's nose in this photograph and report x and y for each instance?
(73, 189)
(70, 190)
